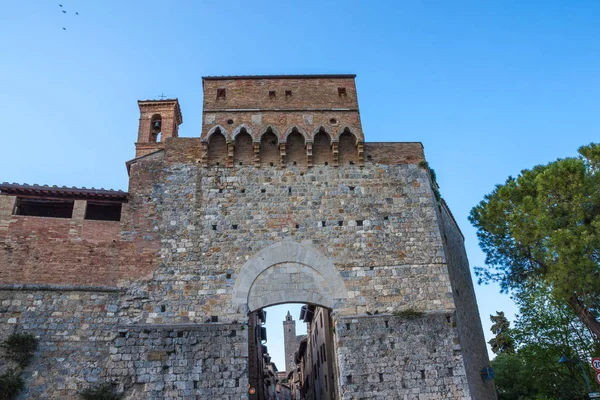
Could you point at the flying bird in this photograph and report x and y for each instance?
(60, 5)
(64, 12)
(76, 13)
(64, 29)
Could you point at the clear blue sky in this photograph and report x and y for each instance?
(488, 87)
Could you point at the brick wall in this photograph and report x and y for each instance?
(320, 92)
(295, 150)
(217, 150)
(76, 251)
(322, 149)
(244, 151)
(269, 150)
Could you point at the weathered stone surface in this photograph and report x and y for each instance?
(161, 300)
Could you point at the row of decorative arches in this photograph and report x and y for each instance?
(333, 134)
(294, 150)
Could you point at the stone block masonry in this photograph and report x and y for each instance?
(75, 329)
(416, 357)
(204, 361)
(157, 302)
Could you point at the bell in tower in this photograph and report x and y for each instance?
(156, 126)
(159, 121)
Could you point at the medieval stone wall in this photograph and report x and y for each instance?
(377, 224)
(74, 328)
(396, 357)
(199, 361)
(158, 303)
(468, 321)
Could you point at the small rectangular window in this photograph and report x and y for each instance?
(272, 94)
(221, 94)
(342, 92)
(103, 211)
(44, 208)
(288, 93)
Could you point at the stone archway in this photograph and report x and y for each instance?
(288, 272)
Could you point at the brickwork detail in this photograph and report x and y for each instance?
(269, 149)
(243, 150)
(322, 154)
(295, 149)
(217, 149)
(348, 152)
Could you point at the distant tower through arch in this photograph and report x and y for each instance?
(290, 342)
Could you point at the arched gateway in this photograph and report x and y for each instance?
(288, 272)
(145, 290)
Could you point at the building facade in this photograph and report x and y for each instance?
(280, 199)
(317, 373)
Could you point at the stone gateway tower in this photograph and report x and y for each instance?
(280, 199)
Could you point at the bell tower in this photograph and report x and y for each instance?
(290, 342)
(159, 120)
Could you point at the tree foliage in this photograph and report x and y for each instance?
(543, 227)
(20, 348)
(545, 330)
(502, 341)
(11, 384)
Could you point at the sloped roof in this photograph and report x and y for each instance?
(62, 192)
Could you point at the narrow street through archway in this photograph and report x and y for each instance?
(298, 365)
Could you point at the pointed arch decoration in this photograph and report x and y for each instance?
(239, 129)
(212, 130)
(350, 129)
(297, 128)
(325, 129)
(264, 130)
